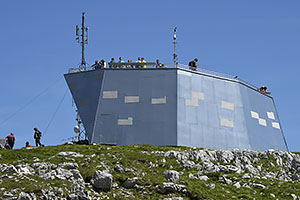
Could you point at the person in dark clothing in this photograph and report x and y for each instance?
(111, 63)
(158, 64)
(37, 136)
(10, 140)
(263, 89)
(193, 64)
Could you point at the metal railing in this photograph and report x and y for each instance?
(217, 75)
(152, 65)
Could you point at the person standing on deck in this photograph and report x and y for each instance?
(112, 61)
(138, 61)
(121, 61)
(158, 64)
(143, 61)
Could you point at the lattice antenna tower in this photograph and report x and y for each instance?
(174, 42)
(82, 39)
(79, 129)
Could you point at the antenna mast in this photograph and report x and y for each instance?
(83, 32)
(174, 42)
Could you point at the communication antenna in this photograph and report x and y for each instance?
(82, 39)
(174, 42)
(78, 129)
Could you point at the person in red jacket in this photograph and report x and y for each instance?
(11, 140)
(27, 144)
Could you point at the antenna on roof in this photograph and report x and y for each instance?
(83, 33)
(174, 42)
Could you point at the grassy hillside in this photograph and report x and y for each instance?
(142, 172)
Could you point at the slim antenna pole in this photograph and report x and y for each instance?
(174, 42)
(82, 41)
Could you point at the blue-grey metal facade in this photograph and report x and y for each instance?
(174, 107)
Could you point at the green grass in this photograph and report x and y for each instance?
(149, 168)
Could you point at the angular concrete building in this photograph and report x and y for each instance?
(174, 107)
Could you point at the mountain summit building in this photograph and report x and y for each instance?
(174, 107)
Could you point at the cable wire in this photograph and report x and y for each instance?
(29, 102)
(61, 101)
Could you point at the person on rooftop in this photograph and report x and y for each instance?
(102, 64)
(263, 89)
(158, 64)
(138, 61)
(95, 65)
(143, 61)
(121, 61)
(193, 64)
(129, 66)
(112, 61)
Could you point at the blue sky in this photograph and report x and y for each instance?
(257, 40)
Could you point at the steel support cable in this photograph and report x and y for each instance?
(61, 101)
(29, 102)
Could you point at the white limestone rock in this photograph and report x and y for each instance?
(68, 165)
(259, 186)
(24, 196)
(203, 178)
(25, 169)
(225, 156)
(246, 176)
(237, 185)
(102, 180)
(130, 182)
(171, 175)
(174, 198)
(272, 195)
(70, 154)
(7, 168)
(168, 188)
(294, 196)
(118, 168)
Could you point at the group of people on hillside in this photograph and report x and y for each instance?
(10, 140)
(138, 64)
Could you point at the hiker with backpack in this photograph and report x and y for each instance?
(37, 136)
(10, 141)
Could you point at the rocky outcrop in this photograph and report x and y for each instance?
(106, 173)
